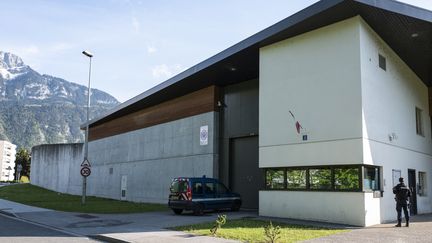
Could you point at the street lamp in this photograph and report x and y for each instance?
(86, 161)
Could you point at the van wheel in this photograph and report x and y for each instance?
(236, 206)
(177, 211)
(199, 210)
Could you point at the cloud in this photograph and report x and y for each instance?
(166, 71)
(151, 49)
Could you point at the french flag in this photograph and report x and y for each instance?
(298, 127)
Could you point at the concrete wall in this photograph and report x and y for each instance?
(151, 157)
(57, 167)
(316, 76)
(389, 99)
(349, 107)
(336, 207)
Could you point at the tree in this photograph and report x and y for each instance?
(22, 158)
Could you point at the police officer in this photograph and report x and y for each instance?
(402, 195)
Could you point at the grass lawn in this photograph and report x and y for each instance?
(251, 230)
(40, 197)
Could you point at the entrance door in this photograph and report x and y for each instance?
(245, 176)
(412, 186)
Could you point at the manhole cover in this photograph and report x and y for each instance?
(86, 216)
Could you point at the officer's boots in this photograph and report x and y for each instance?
(407, 223)
(399, 223)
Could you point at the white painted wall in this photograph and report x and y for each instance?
(389, 99)
(316, 76)
(330, 79)
(336, 207)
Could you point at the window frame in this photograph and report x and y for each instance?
(360, 167)
(284, 179)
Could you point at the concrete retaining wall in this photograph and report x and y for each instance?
(147, 159)
(57, 167)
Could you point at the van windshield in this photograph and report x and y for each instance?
(179, 186)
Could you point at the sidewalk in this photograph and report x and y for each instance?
(138, 227)
(152, 227)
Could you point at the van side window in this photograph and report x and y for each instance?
(209, 188)
(221, 189)
(197, 188)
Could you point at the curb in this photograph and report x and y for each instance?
(106, 239)
(8, 214)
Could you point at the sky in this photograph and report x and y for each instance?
(137, 44)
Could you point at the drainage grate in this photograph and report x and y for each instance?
(86, 216)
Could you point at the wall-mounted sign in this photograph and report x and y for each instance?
(204, 135)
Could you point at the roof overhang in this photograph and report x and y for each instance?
(406, 29)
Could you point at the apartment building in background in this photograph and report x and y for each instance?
(7, 160)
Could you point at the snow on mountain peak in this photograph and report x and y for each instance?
(11, 66)
(9, 60)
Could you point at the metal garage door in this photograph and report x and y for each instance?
(245, 176)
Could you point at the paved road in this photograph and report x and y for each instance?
(15, 230)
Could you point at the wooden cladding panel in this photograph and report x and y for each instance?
(195, 103)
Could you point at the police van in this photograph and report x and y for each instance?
(201, 193)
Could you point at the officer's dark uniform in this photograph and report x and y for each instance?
(402, 195)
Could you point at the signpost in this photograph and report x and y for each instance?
(85, 171)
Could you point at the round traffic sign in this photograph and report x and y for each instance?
(85, 171)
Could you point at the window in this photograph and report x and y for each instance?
(221, 189)
(275, 178)
(371, 179)
(209, 188)
(422, 188)
(179, 186)
(347, 178)
(382, 62)
(325, 178)
(320, 179)
(419, 125)
(296, 178)
(197, 188)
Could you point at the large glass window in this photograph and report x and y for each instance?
(371, 179)
(347, 178)
(296, 178)
(320, 179)
(326, 178)
(275, 178)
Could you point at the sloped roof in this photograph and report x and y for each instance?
(406, 29)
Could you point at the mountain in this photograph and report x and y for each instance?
(37, 109)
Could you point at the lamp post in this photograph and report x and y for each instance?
(86, 162)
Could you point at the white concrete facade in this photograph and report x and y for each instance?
(348, 107)
(7, 161)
